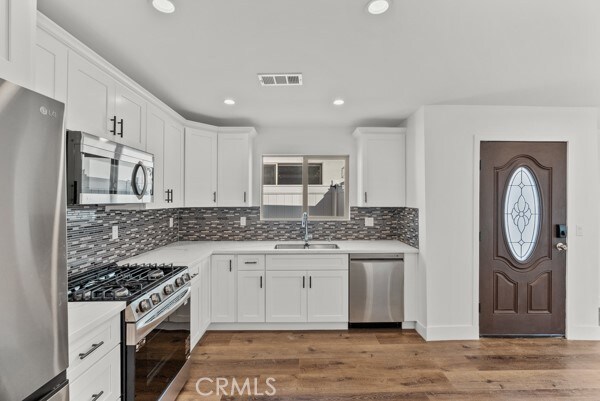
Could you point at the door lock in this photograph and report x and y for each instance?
(561, 247)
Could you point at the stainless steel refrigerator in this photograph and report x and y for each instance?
(33, 271)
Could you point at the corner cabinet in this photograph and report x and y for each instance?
(381, 166)
(165, 142)
(201, 167)
(235, 167)
(17, 23)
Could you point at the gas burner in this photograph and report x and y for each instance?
(121, 292)
(156, 274)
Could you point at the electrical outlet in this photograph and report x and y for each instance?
(369, 222)
(242, 221)
(115, 232)
(170, 222)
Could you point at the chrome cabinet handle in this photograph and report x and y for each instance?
(94, 348)
(96, 397)
(561, 247)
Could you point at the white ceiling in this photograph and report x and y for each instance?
(509, 52)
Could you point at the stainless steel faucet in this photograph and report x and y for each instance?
(307, 236)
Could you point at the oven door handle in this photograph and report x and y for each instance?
(146, 325)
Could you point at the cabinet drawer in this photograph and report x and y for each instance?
(307, 262)
(103, 380)
(251, 262)
(89, 348)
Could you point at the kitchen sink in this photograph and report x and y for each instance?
(309, 246)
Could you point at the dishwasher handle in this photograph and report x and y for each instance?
(377, 256)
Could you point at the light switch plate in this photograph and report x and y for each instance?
(369, 222)
(579, 231)
(242, 221)
(170, 222)
(115, 232)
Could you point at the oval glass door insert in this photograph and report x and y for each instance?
(522, 212)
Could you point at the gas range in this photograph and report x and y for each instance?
(143, 286)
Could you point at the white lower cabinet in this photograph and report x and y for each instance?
(200, 304)
(223, 275)
(328, 296)
(251, 296)
(286, 296)
(101, 382)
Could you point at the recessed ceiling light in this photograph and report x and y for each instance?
(164, 6)
(377, 7)
(338, 102)
(229, 102)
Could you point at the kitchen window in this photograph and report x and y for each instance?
(292, 185)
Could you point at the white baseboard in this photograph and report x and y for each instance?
(589, 333)
(448, 333)
(277, 326)
(409, 325)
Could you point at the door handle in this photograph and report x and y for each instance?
(561, 247)
(114, 121)
(121, 130)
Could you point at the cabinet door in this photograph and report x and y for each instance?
(222, 289)
(200, 168)
(155, 144)
(196, 311)
(173, 167)
(205, 300)
(91, 98)
(17, 25)
(251, 296)
(233, 171)
(286, 296)
(130, 109)
(328, 296)
(51, 65)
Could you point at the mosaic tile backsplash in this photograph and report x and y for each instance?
(89, 233)
(223, 224)
(89, 230)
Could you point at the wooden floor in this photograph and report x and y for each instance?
(395, 365)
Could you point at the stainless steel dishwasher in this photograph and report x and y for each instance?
(376, 288)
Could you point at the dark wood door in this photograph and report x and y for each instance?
(523, 200)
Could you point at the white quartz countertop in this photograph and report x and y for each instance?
(86, 315)
(187, 253)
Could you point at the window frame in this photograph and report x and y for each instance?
(305, 185)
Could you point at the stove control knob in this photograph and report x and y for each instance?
(186, 277)
(179, 281)
(155, 298)
(145, 305)
(168, 290)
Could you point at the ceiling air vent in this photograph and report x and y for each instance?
(280, 79)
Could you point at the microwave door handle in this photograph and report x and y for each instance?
(143, 327)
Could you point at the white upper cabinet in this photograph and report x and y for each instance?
(91, 99)
(130, 110)
(381, 166)
(173, 163)
(200, 167)
(51, 58)
(235, 167)
(17, 38)
(165, 142)
(99, 105)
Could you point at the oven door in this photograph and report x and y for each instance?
(159, 349)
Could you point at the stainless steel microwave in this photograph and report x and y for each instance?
(101, 172)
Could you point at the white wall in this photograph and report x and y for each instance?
(449, 245)
(303, 141)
